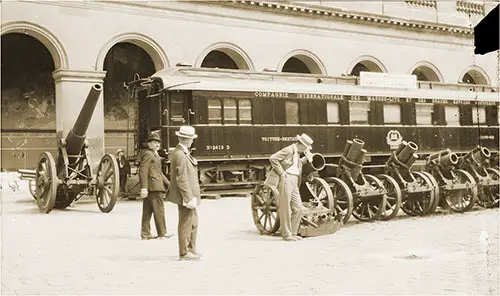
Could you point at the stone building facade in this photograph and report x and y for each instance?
(87, 42)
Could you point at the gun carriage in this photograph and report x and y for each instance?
(319, 214)
(419, 190)
(364, 196)
(457, 188)
(60, 183)
(477, 163)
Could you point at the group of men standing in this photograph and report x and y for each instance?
(183, 188)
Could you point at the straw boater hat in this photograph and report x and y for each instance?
(306, 140)
(154, 137)
(187, 131)
(119, 150)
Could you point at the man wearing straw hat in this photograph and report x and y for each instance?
(185, 192)
(285, 175)
(153, 183)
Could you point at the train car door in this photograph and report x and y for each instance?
(179, 112)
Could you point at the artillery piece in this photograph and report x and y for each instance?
(477, 163)
(419, 190)
(60, 183)
(457, 187)
(362, 195)
(319, 215)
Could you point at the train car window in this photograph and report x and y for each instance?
(479, 115)
(358, 112)
(177, 108)
(245, 111)
(332, 112)
(423, 113)
(392, 113)
(230, 111)
(214, 111)
(292, 112)
(452, 115)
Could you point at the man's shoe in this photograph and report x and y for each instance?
(297, 237)
(147, 237)
(189, 256)
(289, 238)
(165, 236)
(195, 253)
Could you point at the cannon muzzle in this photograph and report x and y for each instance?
(477, 157)
(317, 164)
(446, 159)
(76, 137)
(404, 156)
(353, 156)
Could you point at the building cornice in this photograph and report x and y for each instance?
(350, 16)
(72, 75)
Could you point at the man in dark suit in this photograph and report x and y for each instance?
(153, 183)
(185, 192)
(123, 167)
(285, 175)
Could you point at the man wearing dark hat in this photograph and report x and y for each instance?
(185, 192)
(285, 175)
(123, 168)
(153, 184)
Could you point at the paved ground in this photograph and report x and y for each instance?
(82, 251)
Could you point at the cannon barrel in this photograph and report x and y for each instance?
(478, 156)
(353, 156)
(445, 158)
(76, 136)
(404, 154)
(317, 164)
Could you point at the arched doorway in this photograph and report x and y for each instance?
(302, 61)
(295, 65)
(474, 77)
(425, 73)
(122, 62)
(28, 101)
(365, 66)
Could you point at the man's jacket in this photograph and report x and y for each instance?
(280, 162)
(184, 176)
(150, 173)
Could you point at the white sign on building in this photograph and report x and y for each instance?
(374, 79)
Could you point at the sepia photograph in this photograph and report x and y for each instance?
(248, 147)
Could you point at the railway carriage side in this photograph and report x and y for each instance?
(239, 129)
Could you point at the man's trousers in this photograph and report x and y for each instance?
(153, 204)
(187, 230)
(290, 205)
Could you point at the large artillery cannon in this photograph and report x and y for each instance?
(477, 163)
(419, 190)
(457, 187)
(61, 182)
(319, 215)
(362, 195)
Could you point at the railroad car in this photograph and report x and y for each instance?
(243, 117)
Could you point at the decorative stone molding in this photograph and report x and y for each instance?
(422, 3)
(470, 7)
(328, 12)
(70, 75)
(312, 61)
(239, 56)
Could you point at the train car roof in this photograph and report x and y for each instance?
(245, 81)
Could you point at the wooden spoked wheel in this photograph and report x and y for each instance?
(265, 209)
(32, 188)
(342, 197)
(437, 191)
(107, 185)
(419, 203)
(46, 182)
(489, 196)
(393, 197)
(461, 200)
(371, 208)
(319, 193)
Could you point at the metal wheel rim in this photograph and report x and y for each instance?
(342, 197)
(422, 203)
(373, 207)
(264, 204)
(437, 191)
(108, 186)
(393, 197)
(451, 196)
(46, 182)
(490, 194)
